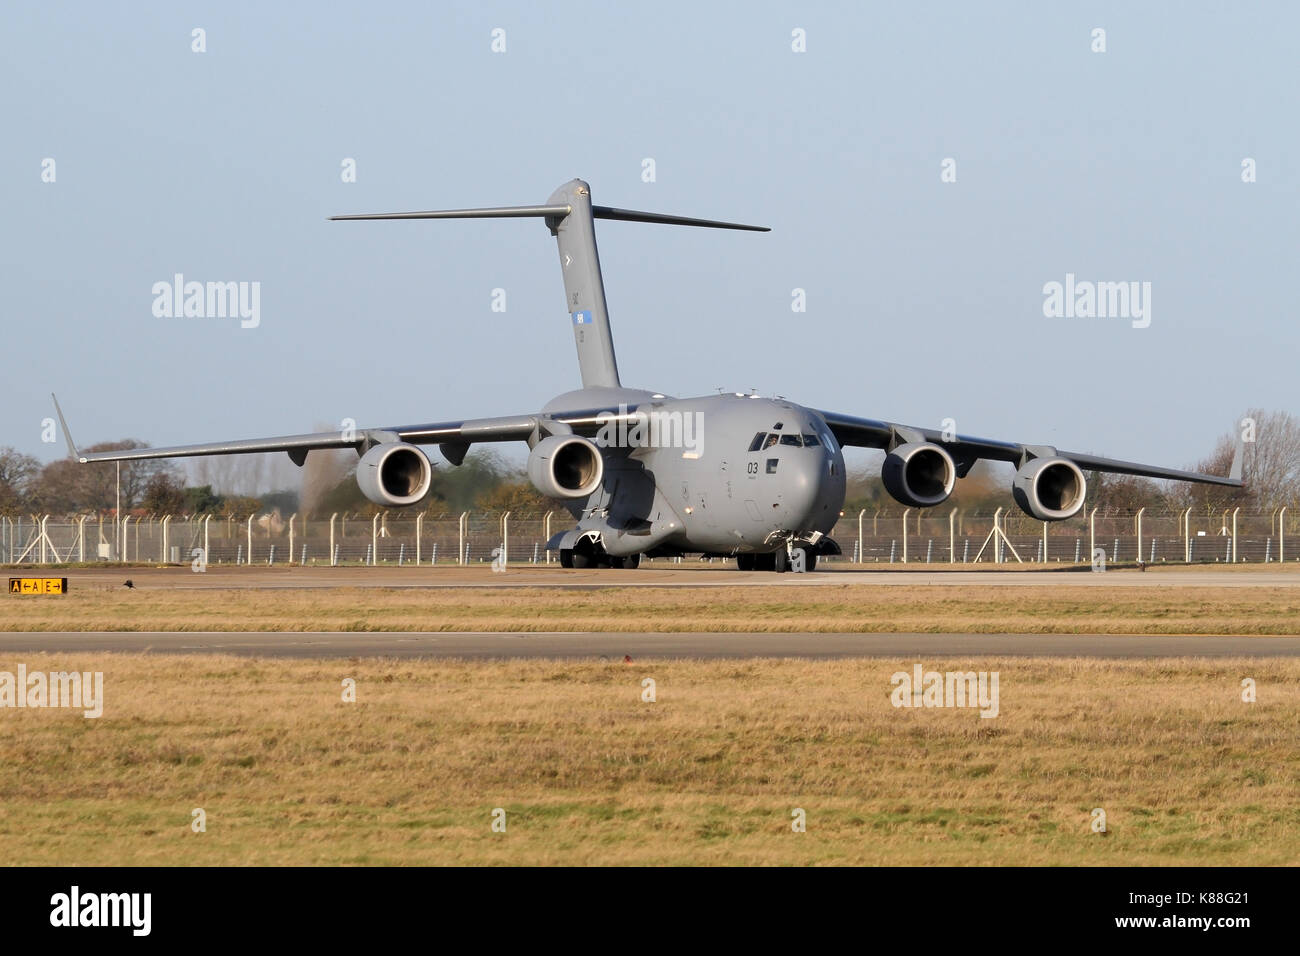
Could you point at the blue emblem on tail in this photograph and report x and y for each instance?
(582, 318)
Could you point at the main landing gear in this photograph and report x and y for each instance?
(778, 561)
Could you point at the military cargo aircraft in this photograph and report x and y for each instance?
(642, 473)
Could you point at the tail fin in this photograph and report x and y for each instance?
(571, 218)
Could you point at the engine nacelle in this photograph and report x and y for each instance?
(919, 474)
(565, 466)
(394, 474)
(1050, 489)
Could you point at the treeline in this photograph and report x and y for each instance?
(487, 482)
(484, 482)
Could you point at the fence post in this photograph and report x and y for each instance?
(906, 511)
(419, 524)
(1187, 536)
(860, 514)
(952, 536)
(546, 533)
(1092, 535)
(1234, 534)
(1281, 536)
(250, 538)
(292, 518)
(166, 532)
(374, 541)
(1044, 542)
(460, 537)
(81, 539)
(1138, 522)
(505, 539)
(206, 553)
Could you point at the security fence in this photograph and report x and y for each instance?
(956, 536)
(911, 536)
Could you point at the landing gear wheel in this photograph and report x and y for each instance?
(809, 558)
(781, 561)
(628, 562)
(571, 558)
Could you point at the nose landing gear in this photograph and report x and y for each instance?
(801, 557)
(587, 553)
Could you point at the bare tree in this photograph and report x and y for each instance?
(1270, 465)
(16, 473)
(65, 486)
(1123, 493)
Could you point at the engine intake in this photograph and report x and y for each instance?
(565, 466)
(394, 474)
(1050, 489)
(919, 474)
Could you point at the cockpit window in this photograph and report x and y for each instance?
(771, 440)
(791, 440)
(757, 443)
(810, 441)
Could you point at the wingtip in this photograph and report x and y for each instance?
(1234, 473)
(67, 435)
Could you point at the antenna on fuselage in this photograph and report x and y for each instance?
(570, 216)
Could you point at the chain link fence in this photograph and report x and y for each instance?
(932, 536)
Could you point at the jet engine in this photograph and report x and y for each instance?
(919, 474)
(1050, 489)
(565, 466)
(394, 473)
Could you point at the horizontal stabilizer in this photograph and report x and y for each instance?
(632, 215)
(495, 212)
(559, 212)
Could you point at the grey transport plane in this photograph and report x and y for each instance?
(643, 473)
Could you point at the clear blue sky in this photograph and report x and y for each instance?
(924, 298)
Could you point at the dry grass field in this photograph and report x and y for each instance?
(1061, 609)
(709, 773)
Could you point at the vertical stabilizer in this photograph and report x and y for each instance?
(584, 292)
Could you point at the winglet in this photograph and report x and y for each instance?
(67, 435)
(1234, 473)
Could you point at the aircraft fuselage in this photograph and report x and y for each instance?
(719, 474)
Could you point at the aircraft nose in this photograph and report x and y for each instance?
(807, 484)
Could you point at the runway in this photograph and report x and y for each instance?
(664, 576)
(639, 646)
